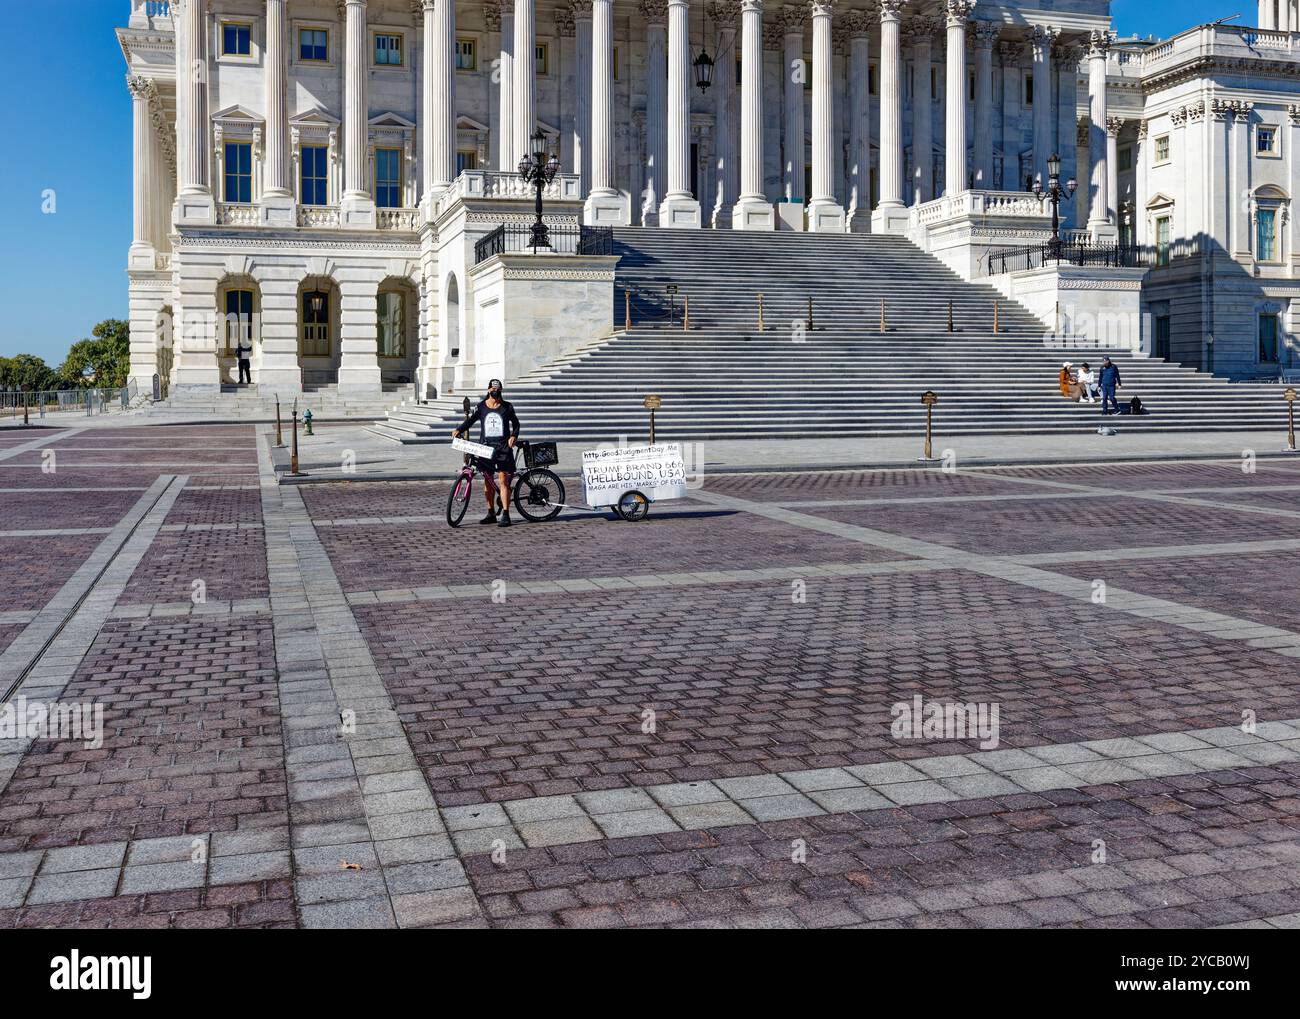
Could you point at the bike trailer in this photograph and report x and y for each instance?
(629, 478)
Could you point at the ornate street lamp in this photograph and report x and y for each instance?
(539, 168)
(703, 63)
(1053, 193)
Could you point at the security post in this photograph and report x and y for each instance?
(929, 398)
(279, 435)
(1289, 396)
(652, 404)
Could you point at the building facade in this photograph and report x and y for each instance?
(314, 175)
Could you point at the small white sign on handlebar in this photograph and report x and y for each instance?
(473, 448)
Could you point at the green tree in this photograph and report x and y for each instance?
(104, 360)
(26, 370)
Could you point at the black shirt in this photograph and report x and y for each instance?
(495, 426)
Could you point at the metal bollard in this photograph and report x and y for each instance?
(293, 457)
(627, 309)
(279, 435)
(686, 312)
(882, 314)
(995, 318)
(950, 314)
(810, 318)
(760, 313)
(1289, 396)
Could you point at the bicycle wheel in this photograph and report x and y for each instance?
(458, 498)
(632, 506)
(539, 494)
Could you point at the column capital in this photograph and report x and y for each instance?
(1099, 41)
(821, 8)
(858, 22)
(1292, 111)
(1012, 52)
(792, 18)
(1114, 125)
(957, 12)
(138, 86)
(920, 30)
(984, 34)
(891, 10)
(1041, 38)
(655, 12)
(492, 15)
(1067, 54)
(566, 25)
(725, 13)
(581, 9)
(751, 5)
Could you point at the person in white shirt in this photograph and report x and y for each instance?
(1088, 388)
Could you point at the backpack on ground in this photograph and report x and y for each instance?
(1135, 406)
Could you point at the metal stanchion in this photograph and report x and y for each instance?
(627, 309)
(882, 314)
(995, 318)
(652, 403)
(950, 314)
(1289, 396)
(686, 312)
(760, 313)
(279, 435)
(293, 456)
(929, 398)
(810, 318)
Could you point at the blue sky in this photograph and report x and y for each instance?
(62, 273)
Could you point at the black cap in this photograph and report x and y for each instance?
(494, 384)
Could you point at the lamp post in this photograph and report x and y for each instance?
(539, 168)
(1053, 193)
(703, 63)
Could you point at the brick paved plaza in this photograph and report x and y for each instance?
(315, 713)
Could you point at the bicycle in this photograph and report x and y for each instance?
(538, 493)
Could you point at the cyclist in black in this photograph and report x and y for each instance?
(498, 428)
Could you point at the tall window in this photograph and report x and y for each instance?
(1266, 235)
(315, 175)
(392, 324)
(1268, 333)
(466, 159)
(388, 178)
(239, 318)
(388, 50)
(313, 44)
(1266, 140)
(1162, 149)
(466, 55)
(542, 55)
(315, 324)
(236, 40)
(239, 172)
(1029, 90)
(1164, 228)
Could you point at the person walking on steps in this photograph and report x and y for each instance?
(498, 428)
(245, 353)
(1109, 381)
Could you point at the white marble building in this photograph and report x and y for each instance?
(315, 173)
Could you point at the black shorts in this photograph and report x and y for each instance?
(502, 461)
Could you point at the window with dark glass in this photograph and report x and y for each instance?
(1268, 330)
(236, 40)
(388, 50)
(392, 327)
(315, 324)
(388, 178)
(239, 318)
(313, 44)
(466, 55)
(239, 172)
(315, 175)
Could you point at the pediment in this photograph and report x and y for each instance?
(391, 120)
(1159, 201)
(238, 113)
(464, 123)
(314, 117)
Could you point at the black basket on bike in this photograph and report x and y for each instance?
(541, 454)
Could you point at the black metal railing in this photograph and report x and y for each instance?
(511, 238)
(1127, 256)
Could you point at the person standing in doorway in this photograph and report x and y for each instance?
(1110, 382)
(245, 354)
(498, 428)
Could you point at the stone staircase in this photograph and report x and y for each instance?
(726, 379)
(245, 403)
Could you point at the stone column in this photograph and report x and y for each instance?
(605, 205)
(358, 207)
(1098, 219)
(726, 175)
(753, 211)
(825, 214)
(956, 15)
(1065, 62)
(525, 65)
(584, 90)
(920, 34)
(1141, 159)
(795, 73)
(277, 203)
(656, 109)
(679, 207)
(1243, 242)
(1011, 54)
(1040, 41)
(1114, 125)
(144, 176)
(890, 216)
(439, 96)
(507, 157)
(194, 203)
(859, 211)
(984, 34)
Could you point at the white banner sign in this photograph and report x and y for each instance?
(657, 472)
(472, 448)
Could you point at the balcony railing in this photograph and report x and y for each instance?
(397, 219)
(1102, 256)
(565, 240)
(237, 214)
(318, 215)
